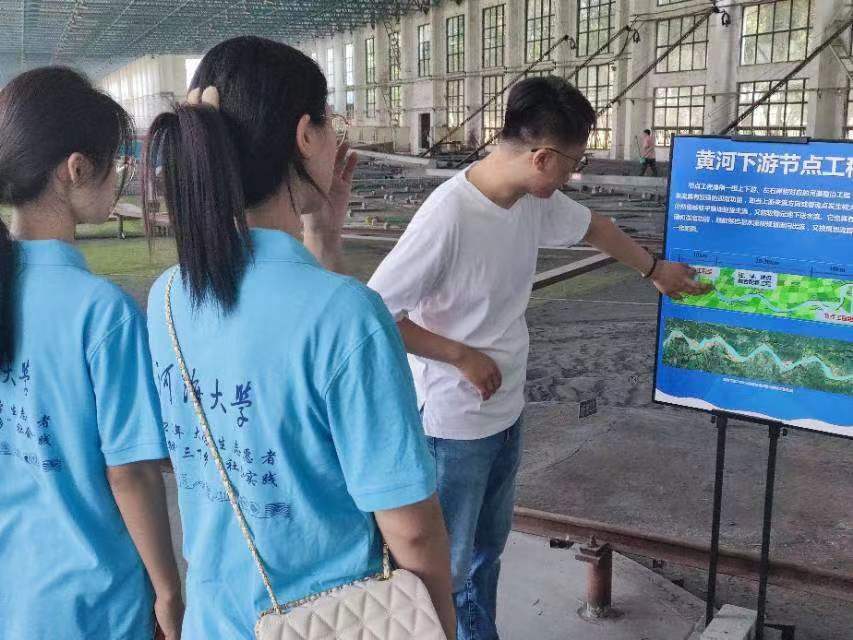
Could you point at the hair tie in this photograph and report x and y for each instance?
(210, 97)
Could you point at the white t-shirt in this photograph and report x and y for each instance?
(464, 269)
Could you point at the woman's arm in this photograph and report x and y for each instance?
(141, 498)
(417, 538)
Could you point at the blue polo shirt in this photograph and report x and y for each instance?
(311, 402)
(79, 397)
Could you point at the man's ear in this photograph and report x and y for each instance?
(539, 160)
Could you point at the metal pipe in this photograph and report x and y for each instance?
(774, 432)
(845, 25)
(628, 28)
(654, 64)
(495, 97)
(599, 585)
(722, 423)
(732, 563)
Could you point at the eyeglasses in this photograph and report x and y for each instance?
(341, 126)
(579, 163)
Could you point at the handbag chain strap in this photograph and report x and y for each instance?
(223, 474)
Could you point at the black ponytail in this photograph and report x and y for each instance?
(213, 164)
(46, 115)
(200, 175)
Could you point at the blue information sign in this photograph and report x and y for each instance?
(770, 225)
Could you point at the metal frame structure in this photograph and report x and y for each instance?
(99, 36)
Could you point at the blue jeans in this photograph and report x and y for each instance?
(476, 487)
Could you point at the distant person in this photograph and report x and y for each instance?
(84, 531)
(647, 153)
(459, 282)
(301, 371)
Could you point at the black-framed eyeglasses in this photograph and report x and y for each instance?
(580, 163)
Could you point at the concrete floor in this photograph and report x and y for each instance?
(542, 590)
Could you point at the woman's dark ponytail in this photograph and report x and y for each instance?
(192, 161)
(214, 164)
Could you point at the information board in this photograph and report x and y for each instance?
(770, 225)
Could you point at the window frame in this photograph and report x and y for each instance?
(493, 36)
(584, 47)
(690, 44)
(684, 97)
(774, 35)
(455, 56)
(424, 50)
(539, 44)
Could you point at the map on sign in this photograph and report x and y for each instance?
(778, 294)
(770, 226)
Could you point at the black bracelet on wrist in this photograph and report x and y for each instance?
(648, 275)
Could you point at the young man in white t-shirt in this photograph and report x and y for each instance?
(459, 281)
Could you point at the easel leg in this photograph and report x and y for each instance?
(710, 606)
(774, 432)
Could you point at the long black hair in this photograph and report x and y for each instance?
(213, 164)
(46, 115)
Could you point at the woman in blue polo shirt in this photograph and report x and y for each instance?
(300, 371)
(82, 505)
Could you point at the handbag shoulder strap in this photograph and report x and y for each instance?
(214, 451)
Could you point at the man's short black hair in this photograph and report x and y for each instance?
(547, 108)
(647, 131)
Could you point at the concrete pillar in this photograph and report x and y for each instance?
(721, 77)
(514, 37)
(473, 69)
(638, 102)
(439, 68)
(826, 106)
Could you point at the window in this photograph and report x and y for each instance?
(784, 113)
(370, 102)
(597, 83)
(455, 102)
(493, 36)
(314, 56)
(370, 61)
(456, 44)
(330, 68)
(661, 3)
(493, 114)
(424, 50)
(691, 54)
(595, 19)
(775, 32)
(678, 110)
(540, 73)
(350, 104)
(395, 105)
(394, 56)
(539, 21)
(349, 63)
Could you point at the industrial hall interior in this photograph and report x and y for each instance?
(684, 470)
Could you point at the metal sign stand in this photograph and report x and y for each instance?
(774, 431)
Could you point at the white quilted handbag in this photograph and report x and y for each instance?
(393, 605)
